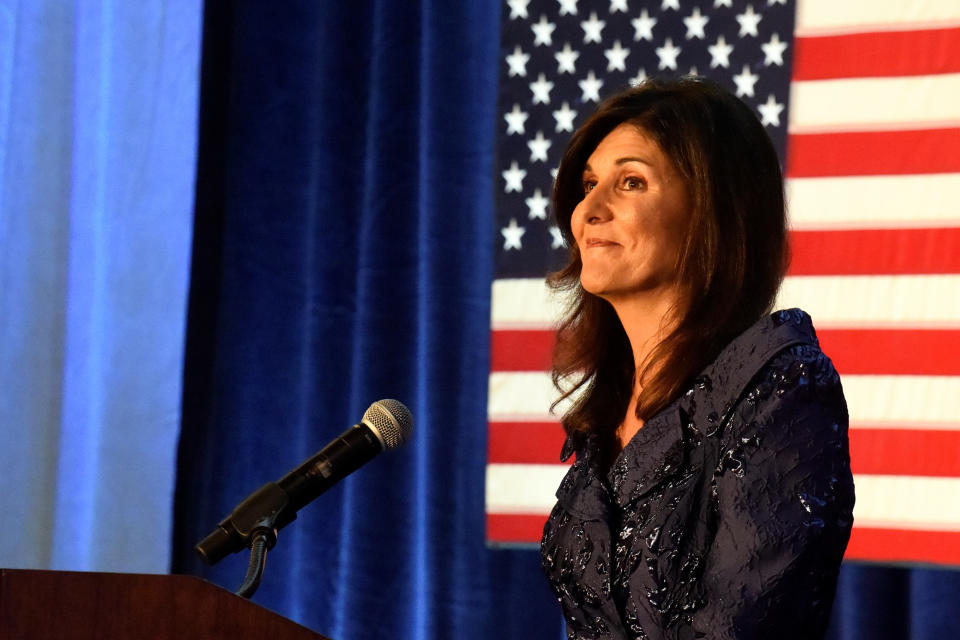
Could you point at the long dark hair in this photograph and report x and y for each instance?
(730, 266)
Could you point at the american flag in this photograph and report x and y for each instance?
(862, 99)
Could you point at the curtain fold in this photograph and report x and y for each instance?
(98, 104)
(342, 254)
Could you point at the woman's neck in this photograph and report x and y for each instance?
(646, 320)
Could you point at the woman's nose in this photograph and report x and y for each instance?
(596, 206)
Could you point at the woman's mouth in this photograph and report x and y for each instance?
(600, 242)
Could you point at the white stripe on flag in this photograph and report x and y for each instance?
(927, 402)
(524, 303)
(871, 104)
(874, 202)
(902, 301)
(823, 17)
(907, 502)
(519, 396)
(929, 301)
(522, 488)
(901, 502)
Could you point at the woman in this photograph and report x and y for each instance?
(711, 495)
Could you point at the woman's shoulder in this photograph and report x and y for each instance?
(789, 397)
(766, 339)
(779, 349)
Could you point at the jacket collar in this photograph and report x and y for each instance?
(661, 448)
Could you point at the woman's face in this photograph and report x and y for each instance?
(631, 221)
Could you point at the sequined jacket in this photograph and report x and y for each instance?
(726, 515)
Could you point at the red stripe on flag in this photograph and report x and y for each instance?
(887, 53)
(898, 545)
(905, 452)
(890, 545)
(919, 352)
(875, 251)
(525, 442)
(916, 352)
(864, 153)
(521, 350)
(515, 528)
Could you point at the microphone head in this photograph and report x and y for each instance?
(391, 421)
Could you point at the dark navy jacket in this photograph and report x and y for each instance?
(726, 515)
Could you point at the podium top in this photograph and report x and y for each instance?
(81, 605)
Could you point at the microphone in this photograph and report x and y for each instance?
(387, 424)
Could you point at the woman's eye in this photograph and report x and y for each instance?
(588, 186)
(633, 183)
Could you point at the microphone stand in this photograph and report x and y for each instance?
(264, 538)
(254, 524)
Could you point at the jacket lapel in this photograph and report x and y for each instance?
(664, 447)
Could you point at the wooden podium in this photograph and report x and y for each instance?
(79, 606)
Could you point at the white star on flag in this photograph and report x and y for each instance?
(643, 26)
(564, 117)
(518, 8)
(541, 90)
(720, 53)
(514, 177)
(568, 7)
(670, 4)
(770, 112)
(539, 147)
(748, 22)
(668, 55)
(512, 234)
(695, 23)
(543, 32)
(592, 28)
(537, 204)
(616, 57)
(745, 80)
(515, 120)
(590, 86)
(773, 51)
(518, 62)
(566, 58)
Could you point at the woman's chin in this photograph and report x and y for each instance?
(594, 286)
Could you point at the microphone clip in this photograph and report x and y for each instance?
(264, 511)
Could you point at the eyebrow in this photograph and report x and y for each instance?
(621, 161)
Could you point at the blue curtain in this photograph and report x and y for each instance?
(98, 104)
(342, 254)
